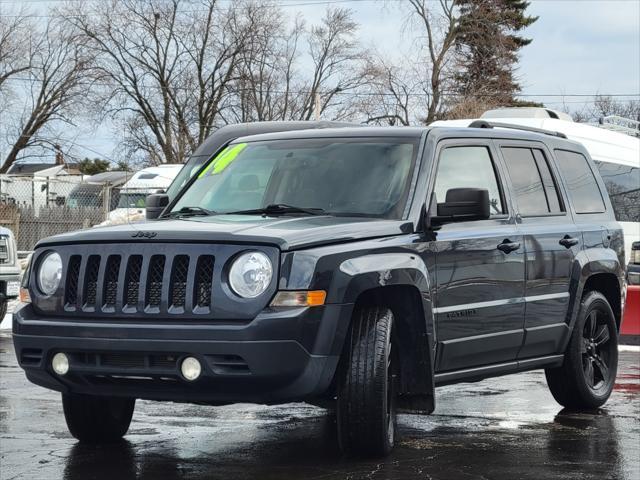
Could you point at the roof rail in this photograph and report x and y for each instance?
(485, 124)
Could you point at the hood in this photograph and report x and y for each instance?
(288, 233)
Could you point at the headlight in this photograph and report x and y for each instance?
(50, 273)
(250, 274)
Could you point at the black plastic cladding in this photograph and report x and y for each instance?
(151, 280)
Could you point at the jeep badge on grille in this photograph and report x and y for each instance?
(141, 234)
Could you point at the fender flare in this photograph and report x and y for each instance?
(370, 272)
(586, 264)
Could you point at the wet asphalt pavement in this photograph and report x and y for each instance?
(503, 428)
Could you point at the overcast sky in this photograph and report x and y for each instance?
(579, 47)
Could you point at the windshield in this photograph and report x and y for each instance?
(85, 199)
(358, 177)
(189, 170)
(132, 200)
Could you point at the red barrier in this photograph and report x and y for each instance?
(631, 321)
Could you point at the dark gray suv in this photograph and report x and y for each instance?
(355, 267)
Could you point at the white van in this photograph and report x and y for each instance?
(617, 156)
(133, 194)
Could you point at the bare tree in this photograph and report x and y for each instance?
(14, 46)
(390, 98)
(167, 67)
(264, 89)
(54, 84)
(440, 30)
(274, 83)
(339, 66)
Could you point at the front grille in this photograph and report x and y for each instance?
(129, 281)
(124, 360)
(4, 250)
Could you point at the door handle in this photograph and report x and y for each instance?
(507, 246)
(568, 241)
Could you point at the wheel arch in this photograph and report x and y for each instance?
(597, 270)
(607, 284)
(414, 341)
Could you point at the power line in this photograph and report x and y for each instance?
(364, 94)
(279, 3)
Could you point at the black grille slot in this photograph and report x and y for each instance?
(179, 273)
(31, 356)
(73, 271)
(110, 288)
(204, 279)
(154, 281)
(132, 280)
(229, 364)
(122, 360)
(91, 280)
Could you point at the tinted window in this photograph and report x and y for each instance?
(581, 182)
(550, 186)
(468, 167)
(533, 184)
(346, 177)
(623, 186)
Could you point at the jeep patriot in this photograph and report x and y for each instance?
(355, 267)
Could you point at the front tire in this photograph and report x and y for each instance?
(366, 407)
(587, 376)
(94, 419)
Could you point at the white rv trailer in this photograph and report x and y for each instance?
(133, 194)
(617, 156)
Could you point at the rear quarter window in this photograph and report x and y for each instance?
(581, 182)
(623, 185)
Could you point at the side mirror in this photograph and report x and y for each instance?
(464, 204)
(156, 203)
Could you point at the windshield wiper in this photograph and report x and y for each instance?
(191, 212)
(279, 209)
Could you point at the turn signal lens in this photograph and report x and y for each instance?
(24, 295)
(312, 298)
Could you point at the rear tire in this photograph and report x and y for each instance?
(587, 376)
(366, 407)
(94, 419)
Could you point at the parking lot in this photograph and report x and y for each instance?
(503, 428)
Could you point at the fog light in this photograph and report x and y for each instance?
(190, 368)
(60, 363)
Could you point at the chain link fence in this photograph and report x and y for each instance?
(38, 207)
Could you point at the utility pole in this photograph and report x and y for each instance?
(316, 108)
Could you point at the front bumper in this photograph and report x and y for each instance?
(282, 355)
(8, 282)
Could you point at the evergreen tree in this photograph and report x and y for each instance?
(93, 166)
(488, 41)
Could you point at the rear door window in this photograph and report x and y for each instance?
(581, 182)
(534, 188)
